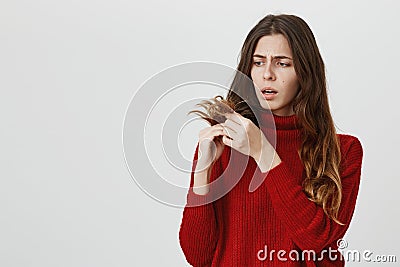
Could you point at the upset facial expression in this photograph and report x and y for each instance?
(273, 74)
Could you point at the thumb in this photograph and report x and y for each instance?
(226, 141)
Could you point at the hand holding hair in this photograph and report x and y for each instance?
(210, 146)
(244, 136)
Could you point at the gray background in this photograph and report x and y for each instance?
(68, 70)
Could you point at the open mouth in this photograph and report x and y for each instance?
(269, 92)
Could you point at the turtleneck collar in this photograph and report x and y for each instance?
(270, 120)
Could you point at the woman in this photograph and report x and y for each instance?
(307, 176)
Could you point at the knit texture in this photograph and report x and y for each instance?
(242, 228)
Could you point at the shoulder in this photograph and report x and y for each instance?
(346, 139)
(350, 145)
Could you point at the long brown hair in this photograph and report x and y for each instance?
(320, 148)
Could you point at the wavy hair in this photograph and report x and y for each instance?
(320, 147)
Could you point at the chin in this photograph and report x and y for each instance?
(264, 104)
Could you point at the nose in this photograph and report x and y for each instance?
(268, 73)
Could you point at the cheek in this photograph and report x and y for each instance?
(256, 76)
(291, 84)
(253, 77)
(253, 74)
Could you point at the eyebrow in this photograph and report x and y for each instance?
(279, 56)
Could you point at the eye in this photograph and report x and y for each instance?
(283, 64)
(258, 63)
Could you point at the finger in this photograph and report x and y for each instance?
(237, 129)
(232, 127)
(231, 124)
(235, 117)
(217, 132)
(227, 141)
(231, 133)
(216, 129)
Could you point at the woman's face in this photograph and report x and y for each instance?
(273, 74)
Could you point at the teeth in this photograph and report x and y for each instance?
(268, 91)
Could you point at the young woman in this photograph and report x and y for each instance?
(281, 134)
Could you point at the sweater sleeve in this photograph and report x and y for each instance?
(199, 229)
(309, 226)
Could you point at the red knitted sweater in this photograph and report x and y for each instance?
(276, 224)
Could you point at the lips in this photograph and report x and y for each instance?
(268, 93)
(268, 90)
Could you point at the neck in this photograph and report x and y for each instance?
(280, 131)
(269, 120)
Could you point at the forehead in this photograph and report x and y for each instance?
(272, 45)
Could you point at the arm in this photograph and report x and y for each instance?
(310, 226)
(198, 232)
